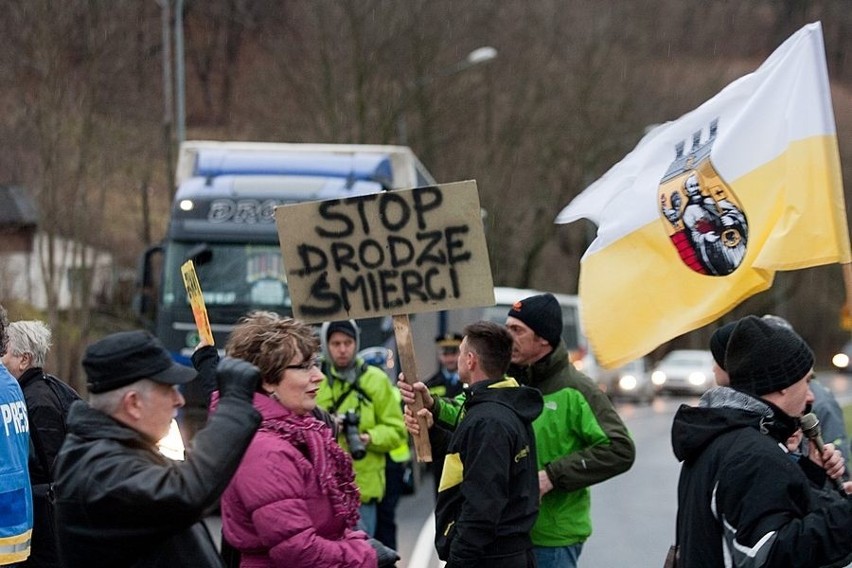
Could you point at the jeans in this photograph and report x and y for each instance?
(558, 556)
(369, 513)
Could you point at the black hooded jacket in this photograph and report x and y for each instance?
(488, 499)
(742, 500)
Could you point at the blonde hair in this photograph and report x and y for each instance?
(271, 342)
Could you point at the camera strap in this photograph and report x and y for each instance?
(354, 386)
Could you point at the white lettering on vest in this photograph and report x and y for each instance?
(15, 414)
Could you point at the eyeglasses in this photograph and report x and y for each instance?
(306, 365)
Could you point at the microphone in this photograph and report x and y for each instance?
(810, 428)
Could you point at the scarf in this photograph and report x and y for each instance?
(332, 465)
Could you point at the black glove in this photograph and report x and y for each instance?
(384, 555)
(237, 378)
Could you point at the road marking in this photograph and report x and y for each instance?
(423, 555)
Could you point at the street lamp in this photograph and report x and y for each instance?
(481, 55)
(476, 57)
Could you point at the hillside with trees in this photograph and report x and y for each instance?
(89, 129)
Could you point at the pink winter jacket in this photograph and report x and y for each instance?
(275, 513)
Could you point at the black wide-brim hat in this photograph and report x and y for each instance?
(123, 358)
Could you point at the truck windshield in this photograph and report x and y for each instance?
(231, 274)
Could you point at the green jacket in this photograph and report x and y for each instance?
(580, 441)
(380, 417)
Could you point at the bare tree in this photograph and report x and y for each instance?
(572, 90)
(215, 32)
(67, 55)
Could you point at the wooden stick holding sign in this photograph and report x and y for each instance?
(405, 349)
(391, 253)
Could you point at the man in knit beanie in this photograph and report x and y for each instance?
(742, 499)
(366, 395)
(542, 315)
(763, 359)
(823, 404)
(580, 439)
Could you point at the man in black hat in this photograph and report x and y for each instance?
(119, 501)
(580, 439)
(742, 501)
(824, 406)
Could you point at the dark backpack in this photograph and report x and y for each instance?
(66, 396)
(64, 393)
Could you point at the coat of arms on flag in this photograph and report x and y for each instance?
(702, 217)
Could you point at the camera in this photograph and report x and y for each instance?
(353, 436)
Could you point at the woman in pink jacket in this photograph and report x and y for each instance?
(293, 501)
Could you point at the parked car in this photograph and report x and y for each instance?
(842, 360)
(684, 371)
(629, 382)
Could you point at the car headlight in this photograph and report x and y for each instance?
(627, 383)
(841, 360)
(658, 378)
(697, 378)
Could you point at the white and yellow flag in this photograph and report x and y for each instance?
(706, 208)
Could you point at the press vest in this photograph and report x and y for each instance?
(16, 503)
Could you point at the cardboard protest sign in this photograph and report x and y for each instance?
(196, 301)
(388, 253)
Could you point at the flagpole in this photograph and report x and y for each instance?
(847, 281)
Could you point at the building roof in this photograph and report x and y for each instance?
(17, 207)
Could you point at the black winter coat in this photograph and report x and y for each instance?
(120, 503)
(742, 497)
(489, 499)
(48, 400)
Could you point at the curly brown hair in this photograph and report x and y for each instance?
(271, 342)
(4, 336)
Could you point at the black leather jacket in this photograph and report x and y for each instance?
(121, 503)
